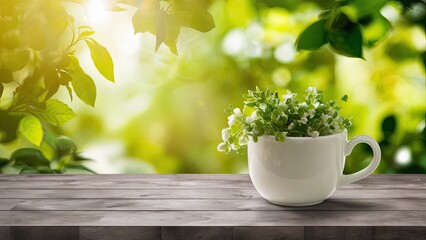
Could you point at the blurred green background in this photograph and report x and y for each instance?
(165, 113)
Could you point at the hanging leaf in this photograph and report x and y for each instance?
(313, 37)
(101, 58)
(344, 37)
(56, 112)
(83, 85)
(32, 130)
(197, 18)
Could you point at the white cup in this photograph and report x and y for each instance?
(304, 171)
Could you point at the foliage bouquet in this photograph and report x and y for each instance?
(268, 113)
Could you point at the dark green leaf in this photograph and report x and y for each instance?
(3, 162)
(83, 84)
(8, 126)
(347, 43)
(30, 157)
(102, 59)
(345, 98)
(65, 145)
(389, 126)
(313, 37)
(5, 75)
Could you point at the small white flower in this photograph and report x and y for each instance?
(238, 112)
(304, 120)
(221, 147)
(291, 126)
(331, 112)
(288, 96)
(263, 106)
(311, 113)
(226, 134)
(314, 134)
(243, 140)
(303, 105)
(324, 117)
(312, 90)
(231, 120)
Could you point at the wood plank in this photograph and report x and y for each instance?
(43, 233)
(187, 180)
(120, 233)
(4, 233)
(268, 233)
(400, 233)
(243, 193)
(196, 233)
(341, 233)
(255, 204)
(212, 218)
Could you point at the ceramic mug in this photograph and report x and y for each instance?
(304, 171)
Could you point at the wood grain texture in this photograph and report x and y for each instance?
(213, 218)
(255, 204)
(145, 203)
(341, 233)
(120, 233)
(268, 233)
(399, 233)
(202, 181)
(43, 233)
(196, 233)
(243, 193)
(4, 233)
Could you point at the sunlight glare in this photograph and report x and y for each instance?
(96, 11)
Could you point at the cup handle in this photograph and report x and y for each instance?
(346, 179)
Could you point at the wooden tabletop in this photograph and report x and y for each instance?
(174, 205)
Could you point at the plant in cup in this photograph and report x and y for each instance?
(268, 113)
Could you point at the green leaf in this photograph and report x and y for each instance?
(32, 130)
(197, 18)
(8, 126)
(86, 33)
(1, 89)
(345, 98)
(313, 37)
(347, 43)
(102, 59)
(3, 162)
(166, 27)
(83, 84)
(389, 125)
(56, 112)
(65, 145)
(30, 157)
